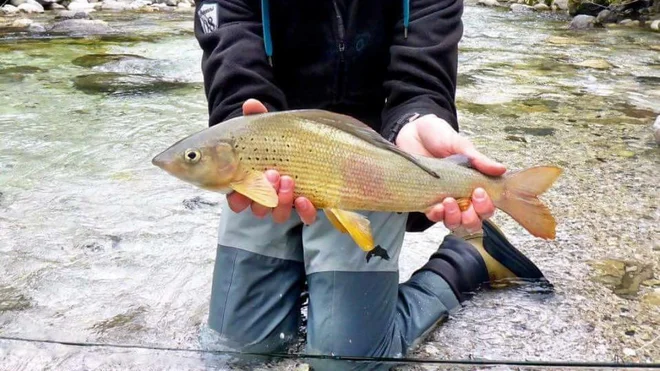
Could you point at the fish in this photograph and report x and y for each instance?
(343, 166)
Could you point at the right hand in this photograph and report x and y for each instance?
(283, 186)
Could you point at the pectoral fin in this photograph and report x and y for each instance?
(357, 225)
(256, 187)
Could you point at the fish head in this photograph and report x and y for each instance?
(208, 163)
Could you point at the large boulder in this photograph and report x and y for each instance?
(582, 22)
(588, 7)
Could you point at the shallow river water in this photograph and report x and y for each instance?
(98, 245)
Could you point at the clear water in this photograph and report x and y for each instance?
(97, 245)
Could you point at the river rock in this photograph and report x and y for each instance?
(36, 28)
(16, 3)
(72, 14)
(521, 8)
(656, 130)
(629, 23)
(488, 3)
(655, 25)
(81, 26)
(606, 16)
(115, 5)
(31, 7)
(541, 7)
(22, 23)
(78, 5)
(599, 64)
(171, 2)
(9, 9)
(561, 4)
(110, 82)
(582, 21)
(587, 7)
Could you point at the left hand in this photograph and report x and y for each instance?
(431, 136)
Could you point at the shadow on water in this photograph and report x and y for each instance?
(99, 246)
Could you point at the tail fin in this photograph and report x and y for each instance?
(519, 199)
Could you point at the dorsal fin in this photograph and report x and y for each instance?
(359, 129)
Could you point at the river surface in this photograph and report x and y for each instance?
(98, 245)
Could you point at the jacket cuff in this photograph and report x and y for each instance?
(397, 118)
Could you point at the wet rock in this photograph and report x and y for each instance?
(110, 82)
(22, 23)
(72, 14)
(31, 7)
(129, 322)
(599, 64)
(36, 28)
(17, 73)
(12, 300)
(488, 3)
(93, 60)
(561, 4)
(656, 130)
(198, 202)
(582, 22)
(629, 23)
(541, 7)
(655, 25)
(521, 8)
(9, 9)
(56, 6)
(81, 27)
(540, 131)
(171, 2)
(16, 3)
(606, 16)
(114, 5)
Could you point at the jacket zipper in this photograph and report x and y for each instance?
(341, 46)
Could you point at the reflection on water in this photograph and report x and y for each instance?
(97, 245)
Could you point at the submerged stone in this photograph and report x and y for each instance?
(81, 27)
(125, 322)
(18, 73)
(12, 300)
(540, 131)
(623, 277)
(110, 82)
(599, 64)
(93, 60)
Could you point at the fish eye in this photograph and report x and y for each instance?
(192, 156)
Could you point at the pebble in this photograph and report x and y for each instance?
(629, 352)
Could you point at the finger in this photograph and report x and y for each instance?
(306, 210)
(484, 164)
(470, 220)
(482, 204)
(238, 202)
(282, 212)
(260, 211)
(452, 217)
(436, 213)
(253, 106)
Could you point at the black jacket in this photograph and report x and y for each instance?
(346, 56)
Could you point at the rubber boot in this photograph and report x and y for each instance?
(487, 258)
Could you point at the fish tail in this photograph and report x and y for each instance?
(519, 199)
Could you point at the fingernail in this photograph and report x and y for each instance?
(285, 185)
(272, 176)
(479, 194)
(302, 207)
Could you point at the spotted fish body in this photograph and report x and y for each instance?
(335, 169)
(341, 165)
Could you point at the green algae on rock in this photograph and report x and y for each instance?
(93, 60)
(117, 83)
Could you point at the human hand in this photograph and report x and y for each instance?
(283, 186)
(431, 136)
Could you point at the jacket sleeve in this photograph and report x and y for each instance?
(422, 72)
(234, 64)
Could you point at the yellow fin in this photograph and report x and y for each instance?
(335, 222)
(357, 225)
(463, 203)
(256, 187)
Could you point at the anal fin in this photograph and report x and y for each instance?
(356, 225)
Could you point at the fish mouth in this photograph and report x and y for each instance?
(159, 160)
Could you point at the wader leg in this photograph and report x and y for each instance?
(257, 281)
(358, 308)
